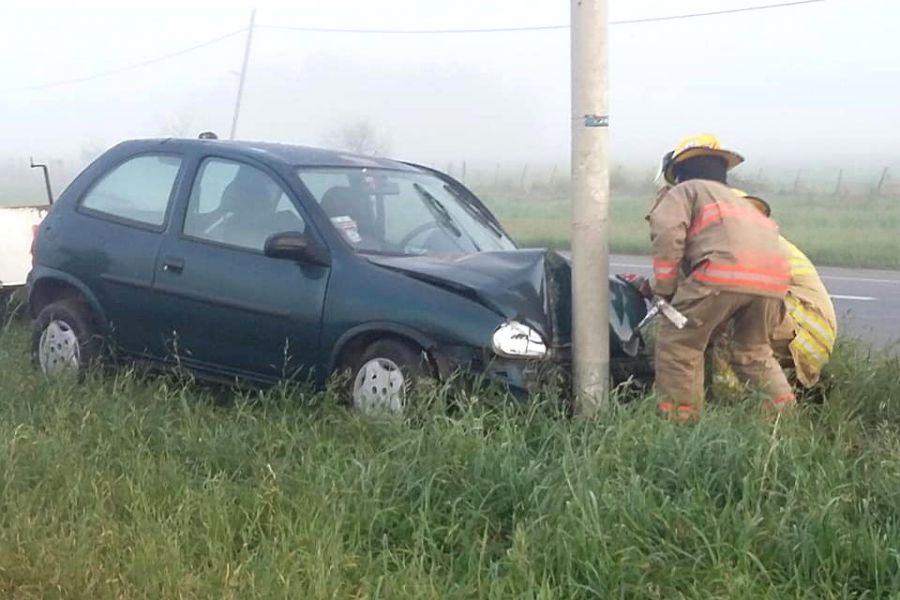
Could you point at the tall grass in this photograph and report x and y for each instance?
(127, 486)
(838, 231)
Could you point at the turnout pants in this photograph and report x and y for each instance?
(680, 353)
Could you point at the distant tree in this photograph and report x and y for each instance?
(359, 137)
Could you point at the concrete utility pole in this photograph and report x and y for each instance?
(590, 226)
(240, 92)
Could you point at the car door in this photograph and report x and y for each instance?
(112, 239)
(226, 306)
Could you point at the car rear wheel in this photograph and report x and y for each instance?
(64, 341)
(384, 376)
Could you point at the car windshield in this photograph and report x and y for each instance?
(402, 212)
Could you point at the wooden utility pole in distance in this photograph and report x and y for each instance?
(590, 206)
(240, 92)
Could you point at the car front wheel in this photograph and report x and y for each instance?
(384, 376)
(64, 341)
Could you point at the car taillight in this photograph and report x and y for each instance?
(35, 229)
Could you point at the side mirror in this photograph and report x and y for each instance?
(293, 245)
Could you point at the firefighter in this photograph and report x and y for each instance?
(717, 259)
(805, 339)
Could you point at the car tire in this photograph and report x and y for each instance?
(64, 340)
(384, 375)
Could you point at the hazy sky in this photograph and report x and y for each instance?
(795, 85)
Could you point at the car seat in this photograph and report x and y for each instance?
(343, 201)
(248, 208)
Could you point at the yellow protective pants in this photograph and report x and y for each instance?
(802, 344)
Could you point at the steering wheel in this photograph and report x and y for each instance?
(417, 231)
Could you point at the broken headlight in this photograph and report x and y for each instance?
(516, 340)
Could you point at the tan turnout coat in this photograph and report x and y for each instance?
(702, 230)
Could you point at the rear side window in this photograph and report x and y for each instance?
(137, 190)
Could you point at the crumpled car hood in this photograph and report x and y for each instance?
(510, 283)
(532, 286)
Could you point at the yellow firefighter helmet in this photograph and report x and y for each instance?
(705, 144)
(758, 202)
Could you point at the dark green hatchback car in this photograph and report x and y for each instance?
(259, 262)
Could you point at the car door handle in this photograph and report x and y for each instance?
(173, 265)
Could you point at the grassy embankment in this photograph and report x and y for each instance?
(832, 231)
(142, 487)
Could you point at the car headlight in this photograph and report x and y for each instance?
(516, 340)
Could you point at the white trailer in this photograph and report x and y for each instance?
(16, 233)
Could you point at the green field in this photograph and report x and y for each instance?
(852, 232)
(129, 486)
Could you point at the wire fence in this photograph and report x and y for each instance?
(851, 183)
(21, 185)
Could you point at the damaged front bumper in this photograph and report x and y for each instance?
(530, 291)
(523, 378)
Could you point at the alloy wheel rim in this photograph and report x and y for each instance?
(58, 349)
(380, 387)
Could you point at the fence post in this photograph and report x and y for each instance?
(621, 176)
(553, 175)
(837, 188)
(880, 187)
(524, 172)
(797, 181)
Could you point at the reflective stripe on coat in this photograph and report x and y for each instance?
(701, 229)
(810, 308)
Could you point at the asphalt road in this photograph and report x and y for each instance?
(867, 301)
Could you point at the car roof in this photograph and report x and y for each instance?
(286, 154)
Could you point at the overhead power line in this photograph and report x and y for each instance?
(125, 68)
(414, 31)
(727, 11)
(536, 27)
(226, 36)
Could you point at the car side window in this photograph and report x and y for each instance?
(238, 205)
(138, 190)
